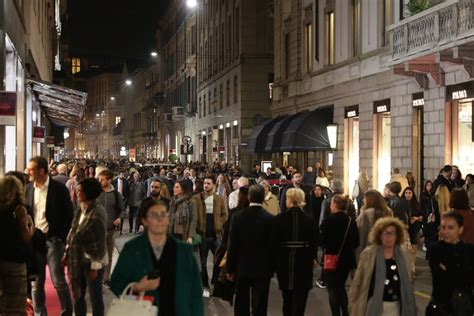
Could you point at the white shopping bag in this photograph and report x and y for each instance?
(128, 305)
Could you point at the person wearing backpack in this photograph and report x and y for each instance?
(112, 202)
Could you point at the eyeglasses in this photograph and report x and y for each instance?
(157, 216)
(389, 234)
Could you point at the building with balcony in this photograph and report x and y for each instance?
(396, 86)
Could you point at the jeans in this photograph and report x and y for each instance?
(52, 258)
(294, 302)
(336, 286)
(132, 210)
(110, 243)
(260, 288)
(95, 292)
(207, 244)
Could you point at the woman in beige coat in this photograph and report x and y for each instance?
(391, 292)
(270, 204)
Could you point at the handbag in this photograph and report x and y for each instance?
(331, 261)
(128, 304)
(355, 190)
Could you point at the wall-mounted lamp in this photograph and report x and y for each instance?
(332, 135)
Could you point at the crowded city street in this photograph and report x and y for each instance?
(236, 157)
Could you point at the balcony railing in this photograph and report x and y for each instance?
(437, 26)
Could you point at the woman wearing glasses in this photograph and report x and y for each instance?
(162, 266)
(382, 284)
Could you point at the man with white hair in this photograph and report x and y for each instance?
(234, 196)
(62, 174)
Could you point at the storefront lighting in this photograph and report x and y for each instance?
(154, 54)
(332, 135)
(227, 124)
(191, 3)
(33, 116)
(66, 133)
(463, 116)
(221, 126)
(128, 82)
(236, 123)
(203, 133)
(97, 115)
(112, 98)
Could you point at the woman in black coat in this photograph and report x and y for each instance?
(430, 211)
(334, 242)
(294, 243)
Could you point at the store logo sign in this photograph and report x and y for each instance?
(351, 114)
(461, 94)
(351, 111)
(418, 102)
(382, 109)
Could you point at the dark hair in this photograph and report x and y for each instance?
(456, 216)
(396, 170)
(80, 174)
(395, 187)
(295, 173)
(447, 168)
(256, 194)
(210, 178)
(469, 175)
(426, 184)
(91, 188)
(341, 201)
(183, 186)
(41, 163)
(19, 175)
(198, 186)
(146, 205)
(155, 180)
(413, 202)
(243, 200)
(107, 173)
(459, 199)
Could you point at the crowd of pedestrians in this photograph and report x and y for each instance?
(255, 226)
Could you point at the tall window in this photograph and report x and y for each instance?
(76, 65)
(308, 40)
(387, 20)
(236, 89)
(329, 39)
(204, 108)
(355, 27)
(200, 107)
(316, 31)
(237, 32)
(221, 97)
(286, 60)
(227, 93)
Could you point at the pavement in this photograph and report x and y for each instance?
(317, 303)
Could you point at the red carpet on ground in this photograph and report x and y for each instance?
(52, 301)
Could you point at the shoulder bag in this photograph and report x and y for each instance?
(331, 261)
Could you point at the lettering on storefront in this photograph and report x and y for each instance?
(382, 106)
(461, 94)
(418, 99)
(351, 111)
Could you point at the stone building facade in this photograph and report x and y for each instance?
(392, 81)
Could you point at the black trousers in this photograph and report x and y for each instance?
(336, 286)
(259, 300)
(294, 302)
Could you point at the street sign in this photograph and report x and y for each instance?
(222, 149)
(50, 142)
(39, 134)
(7, 108)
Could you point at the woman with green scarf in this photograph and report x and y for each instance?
(382, 284)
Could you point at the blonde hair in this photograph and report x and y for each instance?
(12, 193)
(165, 192)
(297, 196)
(442, 196)
(381, 224)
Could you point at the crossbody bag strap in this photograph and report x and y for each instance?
(345, 237)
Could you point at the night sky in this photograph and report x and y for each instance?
(121, 28)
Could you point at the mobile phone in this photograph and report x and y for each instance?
(154, 275)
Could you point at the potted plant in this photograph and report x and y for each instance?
(416, 6)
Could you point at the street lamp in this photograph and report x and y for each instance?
(332, 135)
(191, 3)
(112, 98)
(128, 82)
(154, 54)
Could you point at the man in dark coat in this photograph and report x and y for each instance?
(296, 183)
(444, 178)
(53, 211)
(249, 255)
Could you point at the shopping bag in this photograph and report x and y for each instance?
(128, 304)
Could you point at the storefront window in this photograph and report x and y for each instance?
(353, 125)
(462, 157)
(384, 151)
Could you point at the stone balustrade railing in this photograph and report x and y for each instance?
(441, 24)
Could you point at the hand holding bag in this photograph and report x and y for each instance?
(330, 261)
(128, 304)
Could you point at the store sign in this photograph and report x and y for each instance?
(50, 142)
(382, 106)
(418, 100)
(7, 108)
(187, 149)
(351, 111)
(39, 134)
(214, 150)
(460, 91)
(222, 149)
(123, 151)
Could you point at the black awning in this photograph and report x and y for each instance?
(308, 132)
(62, 106)
(258, 138)
(274, 137)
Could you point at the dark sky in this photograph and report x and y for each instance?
(120, 28)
